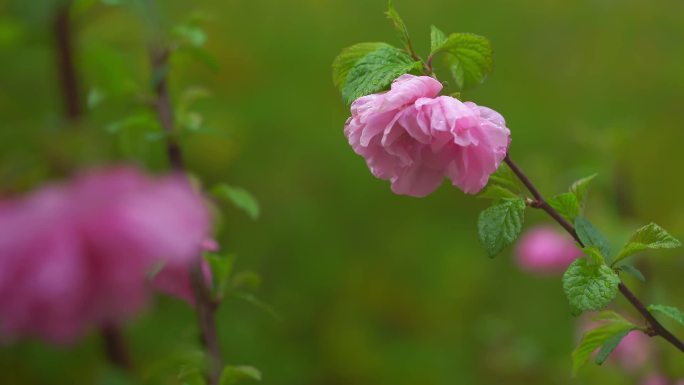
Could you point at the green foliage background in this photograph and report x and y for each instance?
(371, 288)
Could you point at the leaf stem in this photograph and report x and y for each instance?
(655, 328)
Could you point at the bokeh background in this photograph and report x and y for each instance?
(370, 288)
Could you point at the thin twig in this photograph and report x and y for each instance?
(655, 327)
(205, 305)
(64, 51)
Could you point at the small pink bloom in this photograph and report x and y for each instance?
(543, 250)
(77, 256)
(413, 138)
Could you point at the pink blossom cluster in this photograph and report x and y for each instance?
(77, 255)
(543, 250)
(414, 138)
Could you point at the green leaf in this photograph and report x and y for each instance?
(240, 197)
(590, 236)
(192, 34)
(505, 178)
(375, 71)
(493, 191)
(399, 24)
(234, 374)
(566, 204)
(610, 345)
(669, 311)
(589, 285)
(580, 189)
(221, 269)
(469, 58)
(500, 224)
(348, 58)
(595, 338)
(650, 236)
(437, 38)
(629, 269)
(594, 253)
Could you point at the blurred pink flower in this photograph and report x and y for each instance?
(413, 138)
(76, 256)
(543, 250)
(655, 379)
(175, 280)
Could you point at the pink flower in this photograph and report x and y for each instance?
(543, 250)
(413, 138)
(655, 379)
(77, 256)
(175, 280)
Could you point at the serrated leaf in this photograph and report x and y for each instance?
(590, 236)
(669, 311)
(398, 22)
(609, 346)
(375, 71)
(589, 286)
(629, 269)
(595, 338)
(437, 38)
(349, 56)
(566, 204)
(580, 189)
(240, 197)
(594, 253)
(500, 225)
(469, 58)
(650, 236)
(234, 374)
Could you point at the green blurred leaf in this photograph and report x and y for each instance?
(348, 58)
(597, 337)
(190, 34)
(95, 97)
(240, 197)
(505, 179)
(234, 374)
(589, 285)
(221, 269)
(650, 236)
(468, 57)
(591, 236)
(399, 24)
(609, 346)
(580, 189)
(247, 280)
(669, 311)
(375, 71)
(566, 204)
(256, 302)
(191, 376)
(629, 269)
(437, 38)
(500, 224)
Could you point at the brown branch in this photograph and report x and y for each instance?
(64, 52)
(655, 328)
(115, 347)
(205, 305)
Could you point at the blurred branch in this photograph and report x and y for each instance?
(206, 306)
(655, 328)
(115, 347)
(64, 51)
